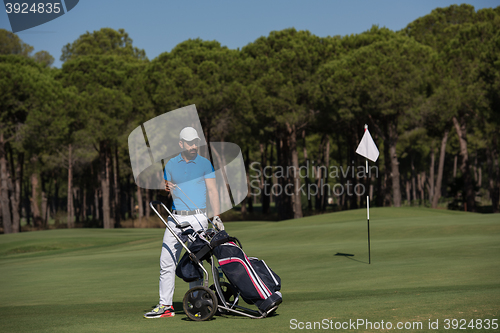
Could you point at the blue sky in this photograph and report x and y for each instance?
(159, 25)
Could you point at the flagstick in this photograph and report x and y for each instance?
(368, 221)
(368, 214)
(369, 150)
(368, 211)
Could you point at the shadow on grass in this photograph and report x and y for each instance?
(177, 308)
(350, 257)
(180, 311)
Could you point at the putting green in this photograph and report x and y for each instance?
(428, 267)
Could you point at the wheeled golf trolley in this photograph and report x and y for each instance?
(235, 276)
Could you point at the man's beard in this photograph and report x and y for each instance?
(192, 152)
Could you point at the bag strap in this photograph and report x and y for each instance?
(221, 238)
(234, 239)
(203, 252)
(218, 242)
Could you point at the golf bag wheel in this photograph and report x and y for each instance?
(228, 292)
(200, 303)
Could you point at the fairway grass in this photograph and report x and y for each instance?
(426, 266)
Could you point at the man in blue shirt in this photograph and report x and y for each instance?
(195, 175)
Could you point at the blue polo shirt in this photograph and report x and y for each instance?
(190, 177)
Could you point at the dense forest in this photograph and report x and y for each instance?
(430, 95)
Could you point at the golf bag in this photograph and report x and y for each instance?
(187, 268)
(244, 278)
(255, 281)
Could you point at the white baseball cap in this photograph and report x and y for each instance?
(188, 134)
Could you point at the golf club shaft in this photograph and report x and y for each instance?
(151, 204)
(197, 207)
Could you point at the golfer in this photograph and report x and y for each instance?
(195, 176)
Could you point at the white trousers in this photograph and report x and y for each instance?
(170, 252)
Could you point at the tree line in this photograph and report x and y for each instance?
(429, 94)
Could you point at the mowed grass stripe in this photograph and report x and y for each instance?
(426, 264)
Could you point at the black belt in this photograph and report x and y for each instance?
(189, 212)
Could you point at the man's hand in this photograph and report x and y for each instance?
(169, 186)
(217, 222)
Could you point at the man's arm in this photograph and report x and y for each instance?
(213, 195)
